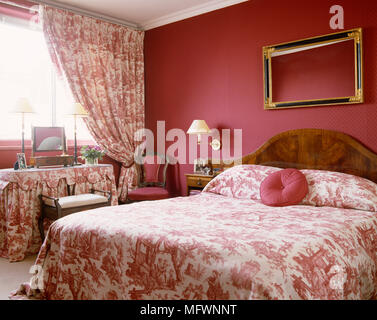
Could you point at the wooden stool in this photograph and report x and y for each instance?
(56, 208)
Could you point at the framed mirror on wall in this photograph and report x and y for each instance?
(317, 71)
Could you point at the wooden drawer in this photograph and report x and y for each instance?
(199, 182)
(51, 161)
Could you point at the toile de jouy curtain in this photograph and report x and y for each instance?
(103, 64)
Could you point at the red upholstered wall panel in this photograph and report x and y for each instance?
(210, 67)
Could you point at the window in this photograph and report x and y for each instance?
(26, 70)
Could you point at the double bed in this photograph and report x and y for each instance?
(225, 243)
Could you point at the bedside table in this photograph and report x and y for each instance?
(196, 181)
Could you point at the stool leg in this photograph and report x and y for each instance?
(40, 226)
(40, 220)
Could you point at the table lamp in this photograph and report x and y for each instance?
(23, 106)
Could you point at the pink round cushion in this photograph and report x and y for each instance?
(283, 188)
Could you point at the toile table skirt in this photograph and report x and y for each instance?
(20, 207)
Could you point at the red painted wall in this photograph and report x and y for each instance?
(210, 67)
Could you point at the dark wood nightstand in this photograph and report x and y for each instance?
(195, 181)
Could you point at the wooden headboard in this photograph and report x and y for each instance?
(316, 149)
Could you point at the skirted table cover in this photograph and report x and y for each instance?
(20, 206)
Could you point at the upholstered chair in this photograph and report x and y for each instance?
(151, 179)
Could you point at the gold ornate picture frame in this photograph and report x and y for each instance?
(306, 44)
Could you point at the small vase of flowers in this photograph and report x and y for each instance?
(91, 154)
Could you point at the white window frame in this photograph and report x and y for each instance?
(53, 77)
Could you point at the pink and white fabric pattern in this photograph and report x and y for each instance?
(326, 188)
(103, 64)
(209, 246)
(241, 182)
(20, 207)
(336, 189)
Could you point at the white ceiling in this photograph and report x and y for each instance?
(143, 14)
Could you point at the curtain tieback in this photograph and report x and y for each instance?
(129, 166)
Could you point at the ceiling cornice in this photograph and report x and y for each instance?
(84, 12)
(149, 24)
(188, 13)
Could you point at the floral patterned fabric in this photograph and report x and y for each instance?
(103, 64)
(241, 182)
(20, 207)
(326, 188)
(336, 189)
(208, 246)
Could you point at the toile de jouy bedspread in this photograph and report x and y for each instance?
(210, 246)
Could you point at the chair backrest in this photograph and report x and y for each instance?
(149, 172)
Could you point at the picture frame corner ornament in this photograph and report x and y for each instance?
(269, 105)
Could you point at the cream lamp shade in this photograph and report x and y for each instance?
(78, 110)
(22, 106)
(200, 127)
